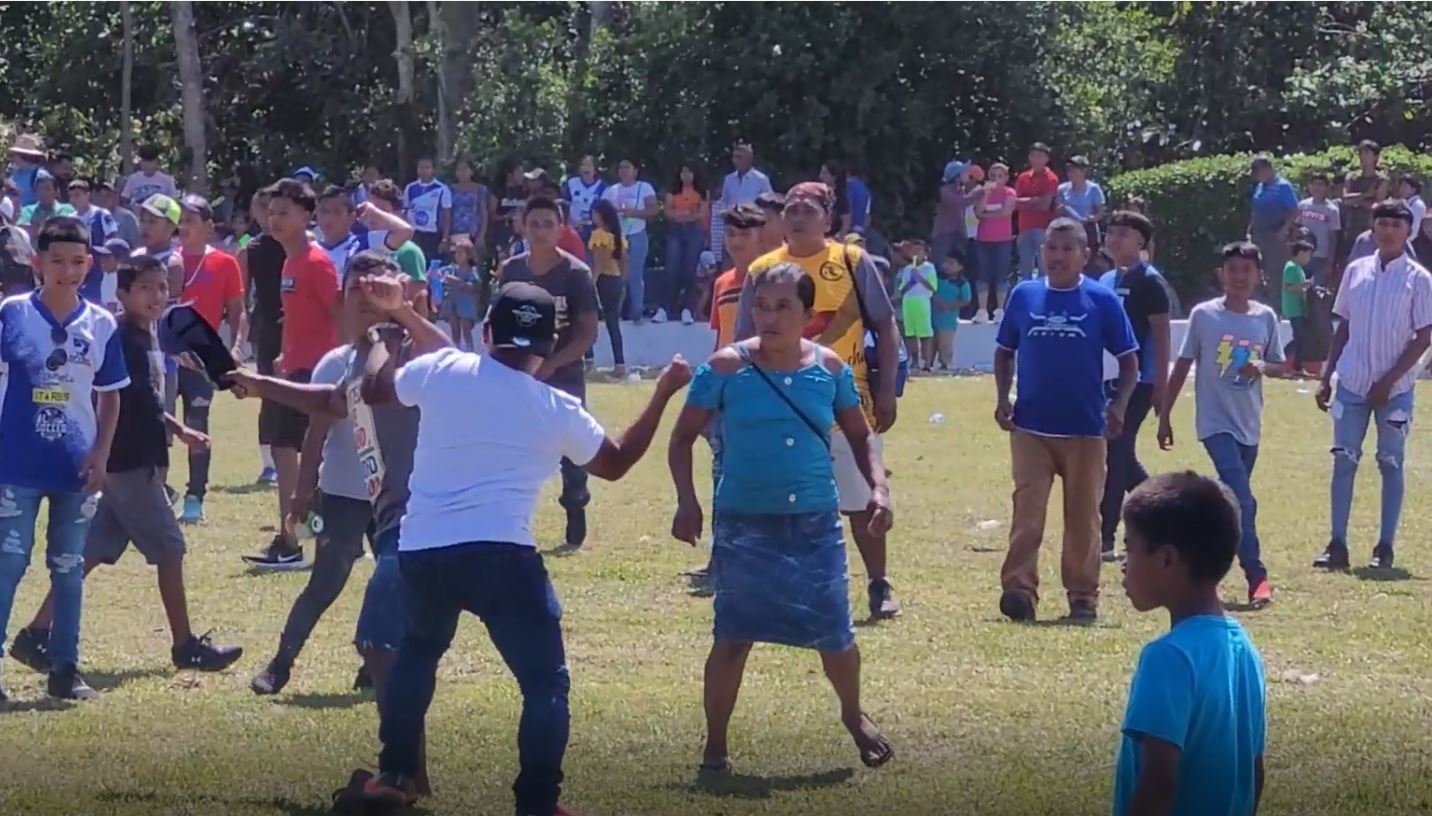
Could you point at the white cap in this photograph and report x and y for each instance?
(7, 208)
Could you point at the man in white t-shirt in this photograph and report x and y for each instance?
(489, 435)
(148, 180)
(635, 201)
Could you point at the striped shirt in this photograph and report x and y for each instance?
(1384, 306)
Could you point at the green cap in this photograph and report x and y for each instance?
(162, 206)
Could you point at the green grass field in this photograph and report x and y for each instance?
(986, 717)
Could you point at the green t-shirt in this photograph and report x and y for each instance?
(410, 259)
(1293, 301)
(33, 215)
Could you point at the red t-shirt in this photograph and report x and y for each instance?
(570, 241)
(211, 280)
(309, 289)
(1029, 185)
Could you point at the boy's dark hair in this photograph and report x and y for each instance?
(957, 255)
(771, 201)
(148, 153)
(1393, 208)
(80, 185)
(1262, 160)
(1041, 147)
(388, 191)
(790, 273)
(1300, 245)
(1411, 181)
(540, 202)
(1243, 249)
(297, 192)
(131, 269)
(1369, 144)
(744, 216)
(1107, 257)
(1072, 227)
(1194, 514)
(334, 191)
(1136, 221)
(103, 185)
(369, 262)
(64, 229)
(1323, 177)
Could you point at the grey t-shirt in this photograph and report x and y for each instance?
(571, 287)
(1322, 220)
(1220, 343)
(386, 435)
(339, 474)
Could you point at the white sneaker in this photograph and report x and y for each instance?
(686, 319)
(659, 317)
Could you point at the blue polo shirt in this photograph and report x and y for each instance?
(52, 366)
(1059, 337)
(1272, 202)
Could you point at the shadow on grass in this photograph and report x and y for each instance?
(109, 681)
(1244, 606)
(1384, 575)
(243, 489)
(178, 803)
(42, 704)
(350, 699)
(561, 551)
(748, 786)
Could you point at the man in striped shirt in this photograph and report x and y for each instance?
(1385, 310)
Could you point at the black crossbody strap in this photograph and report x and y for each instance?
(855, 286)
(815, 429)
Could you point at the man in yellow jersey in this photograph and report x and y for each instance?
(850, 302)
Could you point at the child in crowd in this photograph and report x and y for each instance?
(148, 180)
(1194, 729)
(134, 507)
(114, 252)
(773, 235)
(461, 282)
(951, 295)
(914, 288)
(1296, 284)
(57, 424)
(1233, 340)
(608, 247)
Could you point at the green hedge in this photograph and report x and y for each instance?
(1201, 204)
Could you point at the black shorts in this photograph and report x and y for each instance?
(428, 242)
(281, 426)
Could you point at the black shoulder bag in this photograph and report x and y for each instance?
(815, 429)
(872, 357)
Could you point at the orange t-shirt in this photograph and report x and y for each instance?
(309, 288)
(725, 294)
(211, 280)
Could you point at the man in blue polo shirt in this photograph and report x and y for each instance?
(429, 207)
(61, 368)
(1273, 213)
(1055, 330)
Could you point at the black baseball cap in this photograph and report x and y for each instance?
(523, 316)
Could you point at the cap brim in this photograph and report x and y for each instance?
(25, 151)
(541, 348)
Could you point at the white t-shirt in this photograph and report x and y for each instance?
(488, 438)
(424, 201)
(925, 279)
(632, 197)
(1419, 211)
(139, 186)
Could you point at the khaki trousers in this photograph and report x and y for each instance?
(1079, 462)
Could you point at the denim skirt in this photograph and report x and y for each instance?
(782, 579)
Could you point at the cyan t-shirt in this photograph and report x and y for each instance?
(1080, 203)
(1199, 687)
(1059, 337)
(952, 291)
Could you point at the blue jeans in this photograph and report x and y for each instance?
(1030, 240)
(683, 252)
(992, 267)
(506, 586)
(380, 620)
(64, 554)
(1234, 463)
(1351, 415)
(636, 275)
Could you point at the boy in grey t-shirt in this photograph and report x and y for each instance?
(1323, 221)
(1234, 342)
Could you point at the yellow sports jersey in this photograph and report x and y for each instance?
(837, 324)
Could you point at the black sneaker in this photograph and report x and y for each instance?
(279, 556)
(1334, 557)
(271, 680)
(1016, 605)
(31, 648)
(576, 527)
(1381, 556)
(201, 654)
(389, 792)
(1083, 612)
(883, 604)
(1108, 554)
(65, 683)
(363, 681)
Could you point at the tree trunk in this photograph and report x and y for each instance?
(403, 54)
(601, 11)
(438, 29)
(592, 17)
(191, 79)
(461, 24)
(126, 92)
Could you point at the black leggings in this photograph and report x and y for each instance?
(1125, 472)
(611, 289)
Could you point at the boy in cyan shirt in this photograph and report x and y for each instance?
(1194, 728)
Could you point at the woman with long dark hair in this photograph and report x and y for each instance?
(608, 248)
(834, 176)
(688, 212)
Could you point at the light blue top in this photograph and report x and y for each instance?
(1273, 201)
(771, 460)
(1199, 687)
(1080, 203)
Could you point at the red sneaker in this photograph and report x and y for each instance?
(1260, 593)
(561, 811)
